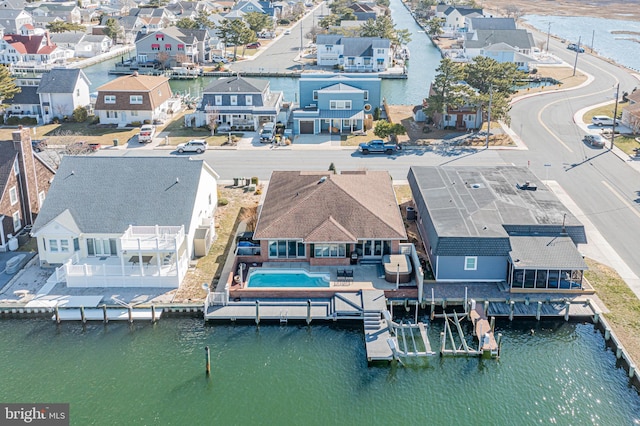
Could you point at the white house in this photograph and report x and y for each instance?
(370, 54)
(139, 230)
(61, 91)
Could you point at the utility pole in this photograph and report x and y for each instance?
(575, 64)
(548, 35)
(593, 35)
(615, 113)
(489, 115)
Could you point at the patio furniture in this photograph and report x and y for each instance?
(134, 260)
(341, 273)
(348, 274)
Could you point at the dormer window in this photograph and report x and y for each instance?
(159, 36)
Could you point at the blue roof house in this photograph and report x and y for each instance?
(335, 103)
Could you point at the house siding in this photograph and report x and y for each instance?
(489, 268)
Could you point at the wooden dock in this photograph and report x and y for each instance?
(112, 314)
(483, 331)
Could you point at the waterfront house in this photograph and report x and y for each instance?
(26, 102)
(67, 12)
(496, 224)
(460, 117)
(239, 102)
(324, 218)
(455, 16)
(13, 19)
(363, 12)
(501, 45)
(31, 50)
(62, 90)
(24, 181)
(135, 98)
(173, 46)
(631, 112)
(336, 103)
(496, 24)
(361, 54)
(139, 229)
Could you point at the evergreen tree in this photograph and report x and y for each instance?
(8, 86)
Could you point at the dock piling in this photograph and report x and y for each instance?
(83, 318)
(257, 312)
(596, 318)
(153, 313)
(538, 310)
(208, 359)
(444, 303)
(493, 324)
(566, 314)
(511, 308)
(442, 342)
(486, 307)
(130, 313)
(607, 334)
(308, 311)
(105, 317)
(57, 312)
(416, 311)
(632, 370)
(618, 352)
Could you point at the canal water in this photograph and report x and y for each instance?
(425, 58)
(147, 374)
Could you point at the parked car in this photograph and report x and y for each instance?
(602, 120)
(287, 32)
(38, 145)
(268, 133)
(194, 145)
(595, 141)
(253, 45)
(377, 146)
(147, 132)
(217, 59)
(575, 47)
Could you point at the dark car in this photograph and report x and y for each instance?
(575, 47)
(38, 145)
(595, 141)
(254, 45)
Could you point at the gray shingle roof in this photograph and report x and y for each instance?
(472, 246)
(60, 80)
(237, 84)
(28, 96)
(67, 37)
(493, 23)
(137, 191)
(546, 253)
(7, 158)
(355, 46)
(516, 38)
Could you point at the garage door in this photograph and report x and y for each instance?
(306, 127)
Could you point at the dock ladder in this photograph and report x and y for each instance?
(284, 317)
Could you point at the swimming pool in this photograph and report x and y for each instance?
(287, 278)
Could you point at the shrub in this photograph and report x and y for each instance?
(80, 114)
(284, 22)
(55, 120)
(28, 121)
(254, 180)
(95, 119)
(13, 120)
(223, 201)
(376, 113)
(1, 120)
(136, 123)
(147, 122)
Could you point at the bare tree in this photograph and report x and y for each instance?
(163, 58)
(212, 118)
(513, 11)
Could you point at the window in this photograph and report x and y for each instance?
(367, 61)
(13, 195)
(135, 99)
(167, 46)
(76, 244)
(470, 263)
(330, 250)
(286, 249)
(41, 197)
(53, 246)
(233, 100)
(339, 104)
(16, 167)
(112, 114)
(64, 246)
(380, 51)
(180, 46)
(133, 113)
(77, 92)
(155, 46)
(218, 100)
(315, 95)
(366, 95)
(109, 99)
(159, 36)
(16, 222)
(248, 99)
(101, 246)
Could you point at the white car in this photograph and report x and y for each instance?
(195, 145)
(147, 132)
(287, 32)
(602, 120)
(217, 59)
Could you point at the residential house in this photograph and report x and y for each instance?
(496, 224)
(249, 6)
(363, 12)
(139, 230)
(61, 91)
(31, 50)
(631, 112)
(24, 180)
(92, 45)
(336, 103)
(67, 12)
(173, 46)
(513, 46)
(12, 20)
(238, 102)
(135, 98)
(12, 4)
(41, 22)
(153, 19)
(323, 218)
(455, 16)
(369, 54)
(499, 24)
(67, 40)
(130, 27)
(462, 117)
(25, 103)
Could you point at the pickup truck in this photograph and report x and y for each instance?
(146, 134)
(377, 146)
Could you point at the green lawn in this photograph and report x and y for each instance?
(179, 133)
(603, 110)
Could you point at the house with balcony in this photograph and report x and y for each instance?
(354, 54)
(173, 46)
(139, 230)
(513, 46)
(31, 50)
(497, 224)
(26, 102)
(328, 219)
(141, 98)
(336, 103)
(238, 102)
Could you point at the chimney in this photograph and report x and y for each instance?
(27, 177)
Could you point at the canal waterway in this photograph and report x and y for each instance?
(425, 58)
(148, 374)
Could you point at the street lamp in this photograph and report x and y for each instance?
(615, 113)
